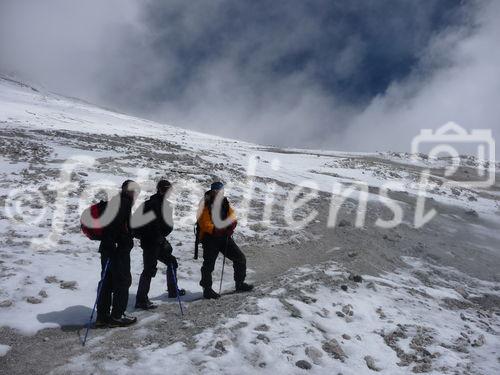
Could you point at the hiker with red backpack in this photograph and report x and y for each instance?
(216, 221)
(155, 246)
(115, 247)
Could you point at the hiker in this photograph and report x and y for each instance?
(116, 244)
(215, 239)
(155, 246)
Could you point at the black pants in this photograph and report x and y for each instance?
(116, 284)
(151, 254)
(211, 248)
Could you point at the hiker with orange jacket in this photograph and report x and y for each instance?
(217, 221)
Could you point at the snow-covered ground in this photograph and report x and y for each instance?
(54, 151)
(393, 324)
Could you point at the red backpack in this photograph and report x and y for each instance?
(90, 221)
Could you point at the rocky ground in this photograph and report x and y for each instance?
(345, 299)
(449, 240)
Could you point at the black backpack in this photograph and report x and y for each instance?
(140, 232)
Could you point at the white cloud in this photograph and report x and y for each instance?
(107, 52)
(465, 90)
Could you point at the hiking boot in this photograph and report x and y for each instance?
(243, 287)
(101, 322)
(123, 321)
(209, 293)
(145, 305)
(173, 294)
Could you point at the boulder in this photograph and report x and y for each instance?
(333, 348)
(303, 364)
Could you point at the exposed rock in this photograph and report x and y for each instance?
(455, 304)
(422, 339)
(6, 303)
(340, 314)
(356, 278)
(460, 345)
(294, 312)
(324, 313)
(348, 310)
(472, 213)
(344, 288)
(370, 363)
(344, 223)
(387, 238)
(263, 338)
(333, 348)
(303, 364)
(51, 280)
(68, 285)
(219, 345)
(345, 336)
(42, 293)
(380, 313)
(262, 328)
(314, 354)
(371, 285)
(479, 341)
(307, 300)
(392, 338)
(460, 290)
(422, 367)
(33, 300)
(22, 262)
(487, 301)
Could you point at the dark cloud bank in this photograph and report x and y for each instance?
(351, 75)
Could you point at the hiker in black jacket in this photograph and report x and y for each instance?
(155, 246)
(115, 246)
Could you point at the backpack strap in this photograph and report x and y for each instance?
(197, 239)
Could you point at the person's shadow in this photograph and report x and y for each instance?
(72, 318)
(188, 297)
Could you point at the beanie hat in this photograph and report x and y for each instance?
(163, 185)
(217, 186)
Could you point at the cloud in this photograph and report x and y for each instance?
(347, 75)
(458, 80)
(63, 44)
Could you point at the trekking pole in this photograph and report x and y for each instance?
(223, 263)
(176, 288)
(99, 288)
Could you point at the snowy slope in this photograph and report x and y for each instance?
(312, 320)
(55, 150)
